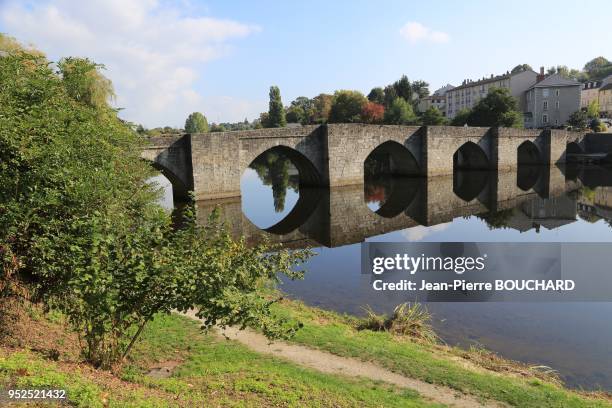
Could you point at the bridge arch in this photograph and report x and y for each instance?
(469, 184)
(180, 190)
(308, 173)
(391, 158)
(528, 157)
(470, 156)
(528, 153)
(574, 148)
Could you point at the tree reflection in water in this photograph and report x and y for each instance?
(277, 171)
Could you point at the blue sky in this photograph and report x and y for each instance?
(220, 57)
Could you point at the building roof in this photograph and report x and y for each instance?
(555, 80)
(442, 91)
(470, 83)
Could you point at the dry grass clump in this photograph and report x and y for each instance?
(408, 319)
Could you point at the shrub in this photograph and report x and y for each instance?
(81, 231)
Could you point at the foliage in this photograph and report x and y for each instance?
(593, 110)
(420, 89)
(301, 110)
(403, 89)
(372, 113)
(433, 116)
(461, 118)
(578, 120)
(322, 104)
(262, 121)
(347, 106)
(408, 319)
(276, 111)
(498, 108)
(217, 128)
(80, 227)
(400, 113)
(565, 72)
(596, 64)
(377, 95)
(85, 83)
(196, 123)
(390, 95)
(521, 68)
(11, 45)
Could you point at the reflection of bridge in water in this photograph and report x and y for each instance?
(340, 216)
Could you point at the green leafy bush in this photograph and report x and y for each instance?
(80, 229)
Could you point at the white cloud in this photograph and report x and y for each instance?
(416, 32)
(152, 52)
(419, 232)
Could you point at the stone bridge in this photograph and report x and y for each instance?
(333, 155)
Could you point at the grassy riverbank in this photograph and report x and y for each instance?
(475, 372)
(177, 365)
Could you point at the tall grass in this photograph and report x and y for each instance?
(408, 319)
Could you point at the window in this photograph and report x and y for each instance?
(556, 92)
(545, 107)
(545, 118)
(545, 92)
(556, 121)
(557, 105)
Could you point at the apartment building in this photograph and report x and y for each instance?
(605, 100)
(470, 92)
(437, 99)
(551, 101)
(589, 93)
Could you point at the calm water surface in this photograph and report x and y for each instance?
(553, 205)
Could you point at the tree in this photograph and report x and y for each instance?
(593, 110)
(196, 123)
(347, 106)
(578, 120)
(433, 116)
(521, 68)
(498, 108)
(372, 112)
(81, 232)
(276, 111)
(85, 83)
(377, 95)
(400, 113)
(420, 89)
(321, 108)
(11, 45)
(390, 95)
(217, 128)
(596, 64)
(301, 110)
(461, 118)
(403, 89)
(294, 114)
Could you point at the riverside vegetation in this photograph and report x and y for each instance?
(91, 268)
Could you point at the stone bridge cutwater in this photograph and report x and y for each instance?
(333, 155)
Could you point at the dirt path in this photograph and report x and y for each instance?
(333, 364)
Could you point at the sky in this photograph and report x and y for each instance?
(169, 58)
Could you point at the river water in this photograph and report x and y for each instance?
(539, 204)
